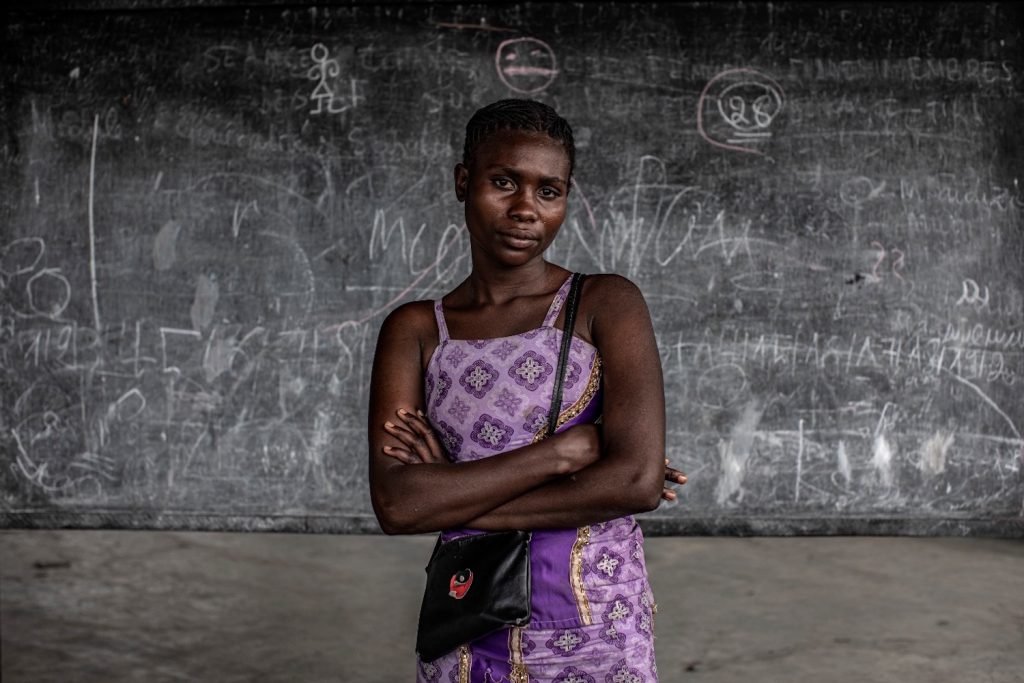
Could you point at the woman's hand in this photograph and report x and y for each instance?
(419, 442)
(674, 476)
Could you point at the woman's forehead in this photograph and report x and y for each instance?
(509, 147)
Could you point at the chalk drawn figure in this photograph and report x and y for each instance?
(323, 68)
(526, 65)
(737, 108)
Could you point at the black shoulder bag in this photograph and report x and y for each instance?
(480, 583)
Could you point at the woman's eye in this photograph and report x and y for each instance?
(503, 183)
(549, 193)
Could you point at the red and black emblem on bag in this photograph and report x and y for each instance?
(460, 582)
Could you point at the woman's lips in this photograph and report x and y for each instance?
(517, 239)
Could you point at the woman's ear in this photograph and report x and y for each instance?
(461, 181)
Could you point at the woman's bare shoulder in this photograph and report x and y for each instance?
(605, 291)
(607, 300)
(414, 319)
(610, 282)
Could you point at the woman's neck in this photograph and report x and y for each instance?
(497, 287)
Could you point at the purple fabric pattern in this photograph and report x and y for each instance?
(530, 370)
(490, 432)
(592, 609)
(573, 675)
(478, 378)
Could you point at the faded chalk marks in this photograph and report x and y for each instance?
(934, 453)
(204, 303)
(165, 245)
(734, 453)
(722, 385)
(882, 461)
(737, 108)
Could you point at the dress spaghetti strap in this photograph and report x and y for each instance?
(442, 326)
(556, 303)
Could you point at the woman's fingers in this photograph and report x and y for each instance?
(418, 423)
(401, 455)
(673, 476)
(417, 436)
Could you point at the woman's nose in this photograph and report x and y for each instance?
(523, 208)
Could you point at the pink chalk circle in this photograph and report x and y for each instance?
(525, 65)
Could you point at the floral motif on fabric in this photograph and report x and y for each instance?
(490, 432)
(508, 402)
(615, 616)
(444, 383)
(456, 356)
(565, 642)
(608, 563)
(644, 623)
(533, 333)
(530, 370)
(612, 635)
(450, 438)
(622, 673)
(505, 349)
(636, 555)
(428, 382)
(478, 343)
(459, 409)
(571, 674)
(430, 672)
(535, 420)
(572, 374)
(479, 378)
(528, 644)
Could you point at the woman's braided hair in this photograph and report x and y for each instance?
(518, 114)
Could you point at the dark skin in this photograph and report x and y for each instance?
(515, 191)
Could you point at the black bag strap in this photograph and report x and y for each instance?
(572, 302)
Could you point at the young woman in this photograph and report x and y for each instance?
(460, 393)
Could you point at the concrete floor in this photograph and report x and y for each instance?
(163, 606)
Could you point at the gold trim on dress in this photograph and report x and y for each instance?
(464, 664)
(576, 575)
(518, 673)
(593, 383)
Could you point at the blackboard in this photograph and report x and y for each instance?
(207, 210)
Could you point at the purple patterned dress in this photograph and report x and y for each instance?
(592, 608)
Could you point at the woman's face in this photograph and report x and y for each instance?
(515, 189)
